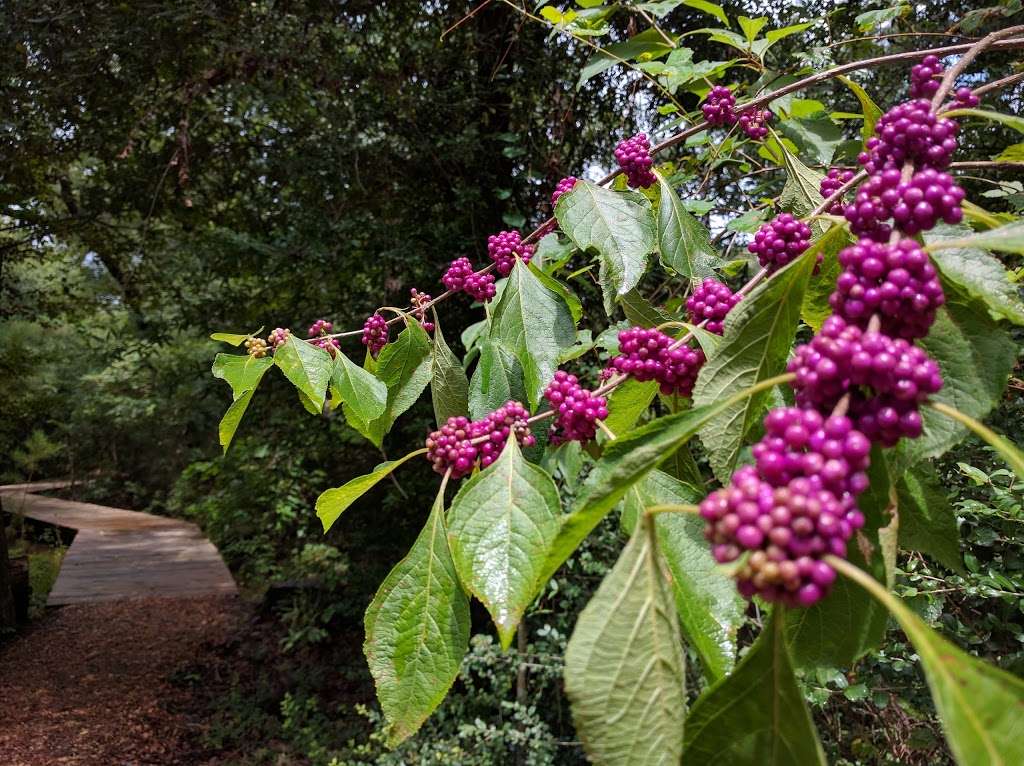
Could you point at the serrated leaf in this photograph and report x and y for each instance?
(573, 302)
(869, 108)
(648, 43)
(756, 715)
(498, 377)
(817, 138)
(927, 520)
(624, 665)
(333, 502)
(710, 609)
(360, 389)
(234, 339)
(242, 373)
(979, 705)
(758, 335)
(684, 243)
(1008, 238)
(404, 366)
(417, 630)
(975, 356)
(533, 323)
(640, 312)
(307, 367)
(707, 7)
(1009, 120)
(816, 309)
(628, 402)
(449, 388)
(499, 528)
(618, 225)
(800, 195)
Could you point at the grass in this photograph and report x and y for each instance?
(43, 565)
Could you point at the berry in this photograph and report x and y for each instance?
(925, 77)
(503, 248)
(833, 182)
(896, 282)
(459, 444)
(886, 378)
(647, 354)
(330, 345)
(711, 301)
(719, 106)
(755, 123)
(257, 347)
(319, 327)
(780, 241)
(914, 206)
(278, 337)
(578, 409)
(420, 303)
(565, 185)
(910, 132)
(480, 287)
(634, 158)
(965, 97)
(375, 334)
(455, 278)
(785, 530)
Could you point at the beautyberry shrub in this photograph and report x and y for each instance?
(634, 158)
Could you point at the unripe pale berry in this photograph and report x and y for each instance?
(278, 336)
(420, 303)
(257, 347)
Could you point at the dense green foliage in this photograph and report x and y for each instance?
(168, 171)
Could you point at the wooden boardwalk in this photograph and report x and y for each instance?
(119, 554)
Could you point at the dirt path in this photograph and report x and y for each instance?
(89, 685)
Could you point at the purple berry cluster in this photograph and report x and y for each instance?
(504, 247)
(460, 443)
(833, 182)
(780, 241)
(914, 206)
(578, 410)
(461, 277)
(318, 334)
(634, 158)
(256, 347)
(420, 306)
(926, 77)
(897, 283)
(319, 327)
(375, 334)
(719, 107)
(649, 354)
(886, 379)
(910, 132)
(279, 336)
(711, 300)
(564, 186)
(755, 123)
(965, 97)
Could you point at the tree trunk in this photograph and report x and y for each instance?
(8, 618)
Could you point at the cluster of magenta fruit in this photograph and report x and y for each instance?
(461, 444)
(834, 180)
(649, 354)
(719, 109)
(635, 161)
(317, 334)
(709, 303)
(780, 241)
(420, 306)
(577, 409)
(375, 334)
(860, 380)
(278, 336)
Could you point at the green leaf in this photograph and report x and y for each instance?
(975, 357)
(751, 26)
(498, 377)
(710, 610)
(870, 109)
(405, 368)
(233, 338)
(648, 43)
(800, 195)
(870, 19)
(816, 308)
(979, 705)
(1007, 449)
(242, 373)
(757, 714)
(978, 272)
(1009, 238)
(619, 226)
(927, 520)
(758, 335)
(1012, 153)
(333, 502)
(229, 423)
(307, 367)
(628, 402)
(817, 138)
(417, 630)
(640, 312)
(624, 665)
(533, 323)
(359, 389)
(714, 10)
(1009, 120)
(683, 241)
(500, 527)
(449, 388)
(573, 302)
